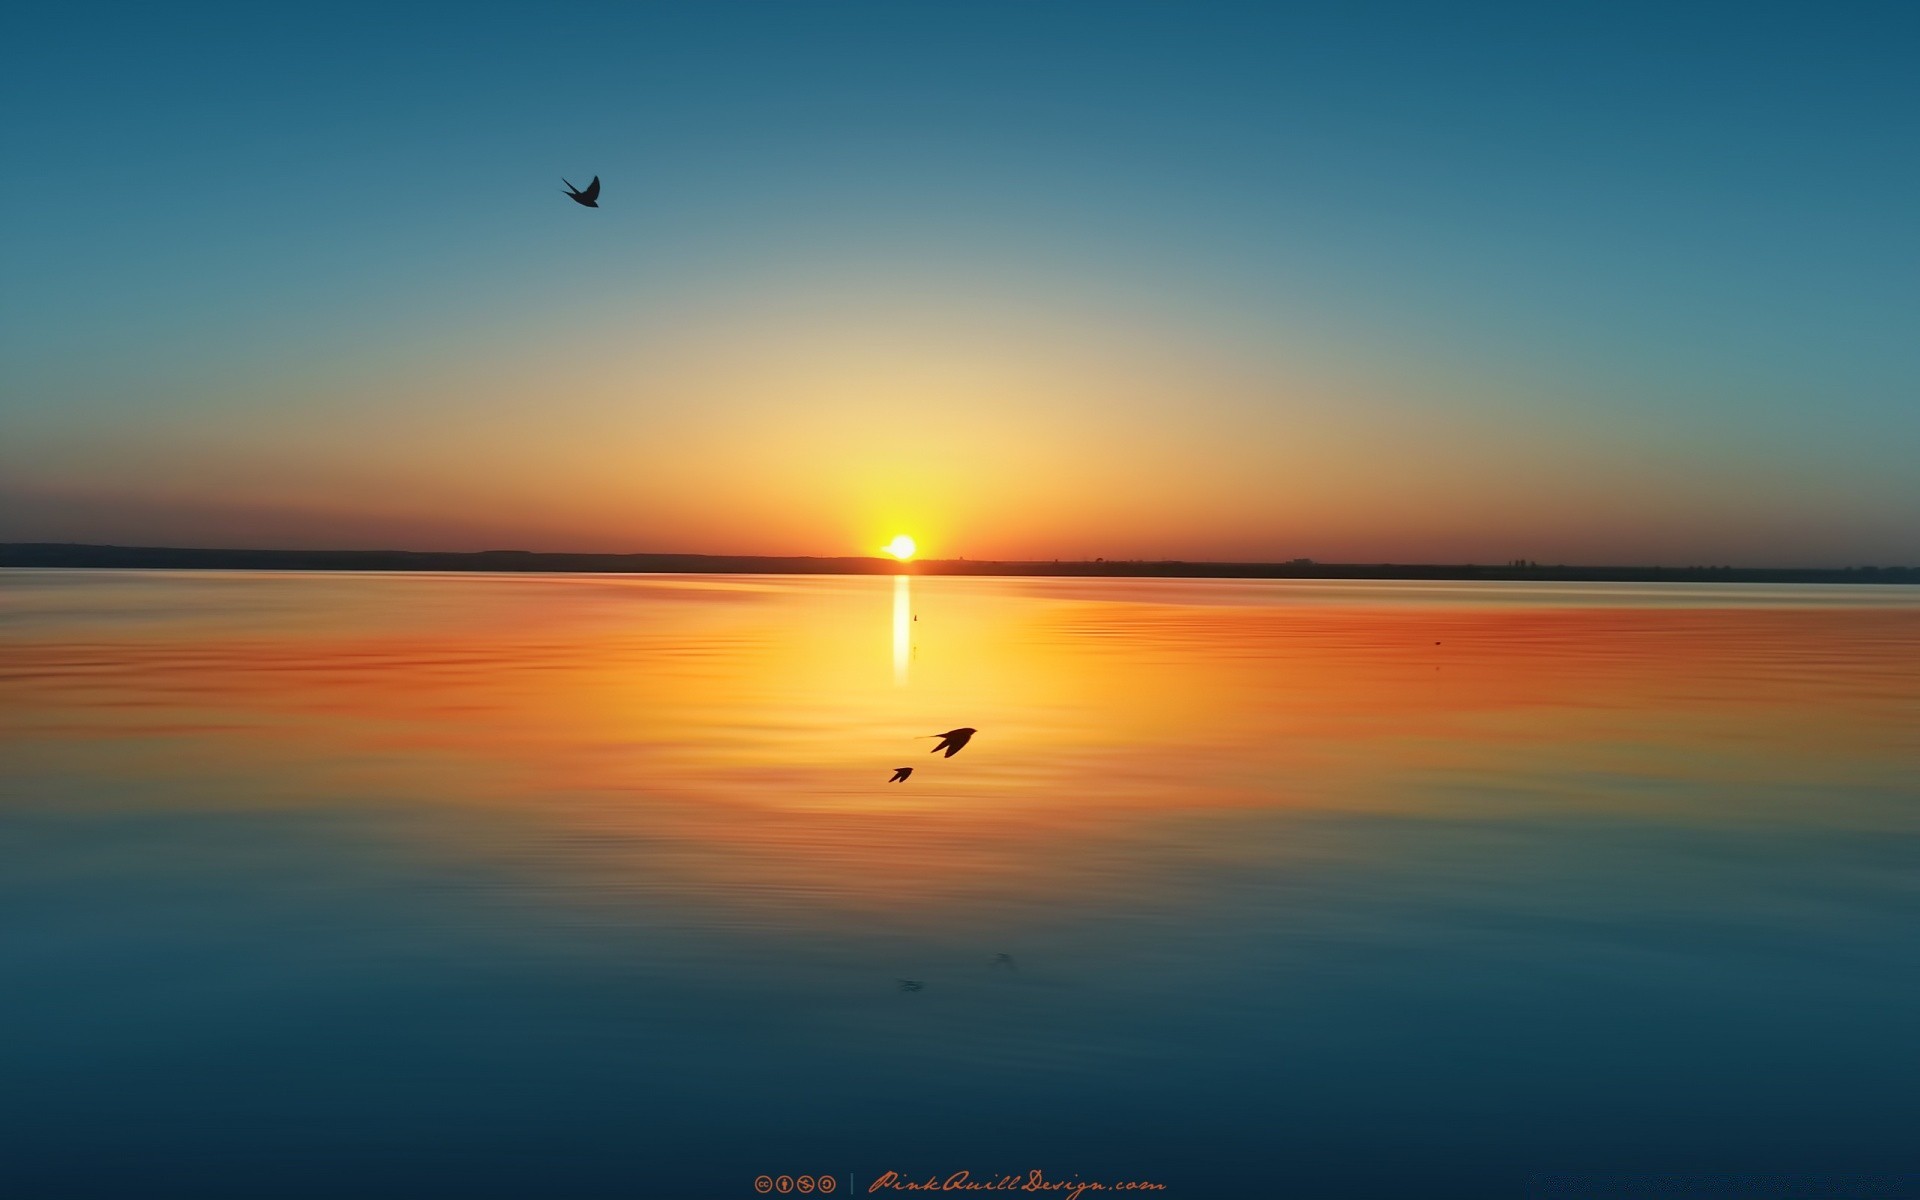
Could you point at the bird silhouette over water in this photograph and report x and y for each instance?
(900, 774)
(953, 741)
(911, 985)
(590, 197)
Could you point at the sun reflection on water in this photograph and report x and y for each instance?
(902, 628)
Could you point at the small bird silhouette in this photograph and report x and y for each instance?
(590, 197)
(911, 985)
(1004, 960)
(953, 741)
(900, 774)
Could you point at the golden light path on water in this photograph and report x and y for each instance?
(902, 628)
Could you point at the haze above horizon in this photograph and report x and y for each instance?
(1382, 285)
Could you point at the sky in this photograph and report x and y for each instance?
(1573, 283)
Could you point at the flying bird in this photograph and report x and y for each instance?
(953, 740)
(900, 774)
(911, 985)
(590, 197)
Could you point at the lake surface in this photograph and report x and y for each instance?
(399, 885)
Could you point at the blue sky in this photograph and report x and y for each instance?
(1670, 255)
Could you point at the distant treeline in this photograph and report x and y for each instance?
(61, 554)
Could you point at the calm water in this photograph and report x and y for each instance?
(535, 886)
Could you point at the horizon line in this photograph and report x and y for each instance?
(82, 555)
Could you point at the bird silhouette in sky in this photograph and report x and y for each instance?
(911, 985)
(953, 740)
(590, 197)
(1003, 960)
(900, 774)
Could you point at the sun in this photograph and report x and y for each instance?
(901, 547)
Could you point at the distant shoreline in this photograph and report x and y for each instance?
(64, 554)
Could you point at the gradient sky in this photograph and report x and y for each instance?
(1389, 282)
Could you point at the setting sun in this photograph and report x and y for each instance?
(901, 547)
